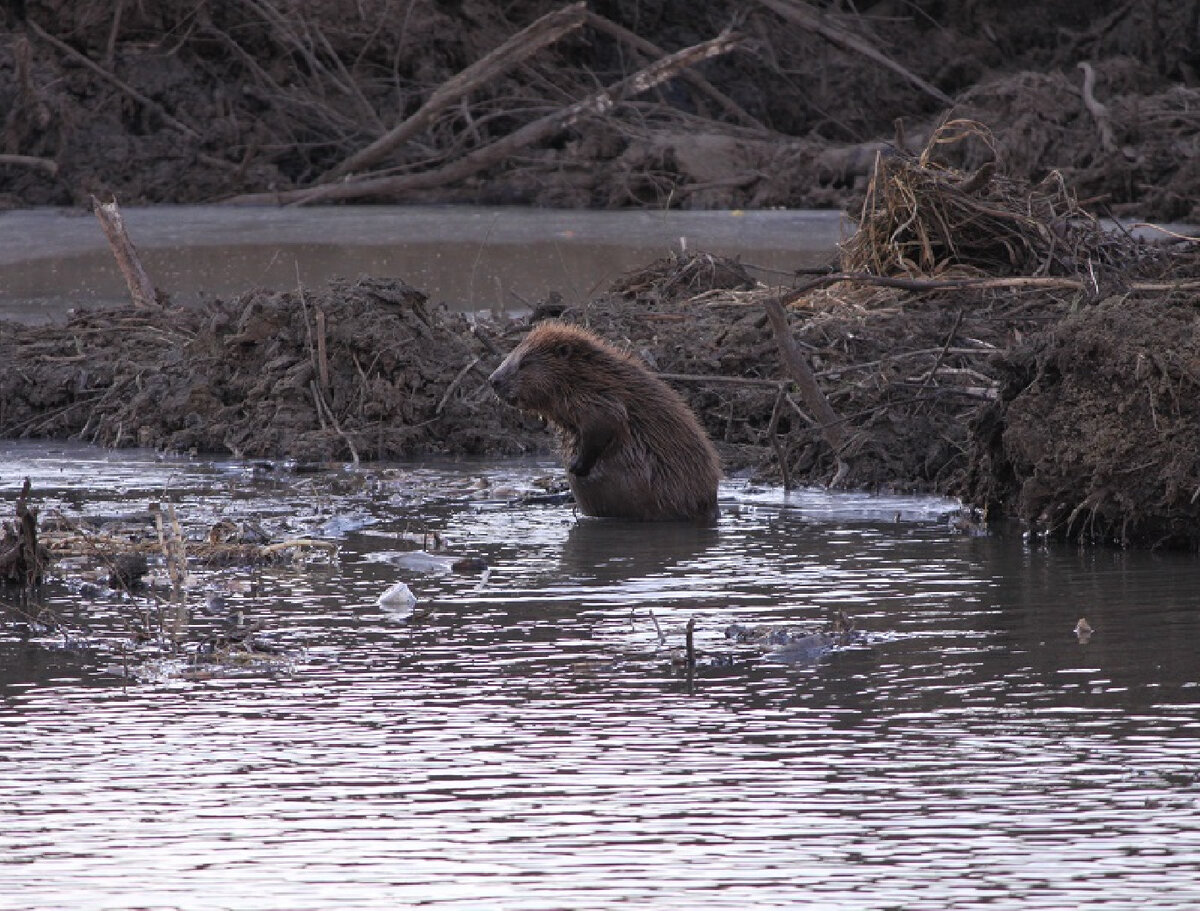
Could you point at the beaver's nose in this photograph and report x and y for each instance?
(501, 377)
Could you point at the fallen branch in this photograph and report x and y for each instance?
(1098, 111)
(806, 17)
(798, 368)
(596, 104)
(946, 347)
(323, 412)
(454, 383)
(31, 161)
(773, 436)
(519, 47)
(1175, 235)
(141, 289)
(716, 378)
(939, 284)
(638, 43)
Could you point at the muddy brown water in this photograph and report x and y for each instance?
(468, 258)
(522, 739)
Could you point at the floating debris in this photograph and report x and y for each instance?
(1083, 631)
(398, 600)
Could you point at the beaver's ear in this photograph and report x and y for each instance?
(563, 349)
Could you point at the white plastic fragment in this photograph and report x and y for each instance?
(398, 599)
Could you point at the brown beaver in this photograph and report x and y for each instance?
(632, 447)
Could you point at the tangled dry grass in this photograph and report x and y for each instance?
(923, 217)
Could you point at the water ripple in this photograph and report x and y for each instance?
(525, 741)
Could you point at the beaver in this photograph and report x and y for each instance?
(632, 447)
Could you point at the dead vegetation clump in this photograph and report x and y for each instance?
(680, 276)
(924, 217)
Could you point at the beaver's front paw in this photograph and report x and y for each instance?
(580, 467)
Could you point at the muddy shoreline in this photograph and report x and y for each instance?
(1068, 402)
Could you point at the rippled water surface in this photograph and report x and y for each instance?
(524, 740)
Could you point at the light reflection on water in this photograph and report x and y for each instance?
(525, 744)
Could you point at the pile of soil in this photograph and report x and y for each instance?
(1096, 436)
(356, 371)
(178, 101)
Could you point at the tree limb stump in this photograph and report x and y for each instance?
(141, 289)
(831, 426)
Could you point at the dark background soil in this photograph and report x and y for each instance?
(199, 101)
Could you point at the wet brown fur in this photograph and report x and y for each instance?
(632, 447)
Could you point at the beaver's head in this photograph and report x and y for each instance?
(542, 372)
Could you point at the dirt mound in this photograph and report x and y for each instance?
(1135, 154)
(1097, 432)
(363, 370)
(681, 276)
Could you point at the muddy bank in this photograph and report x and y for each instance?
(1096, 434)
(1074, 413)
(980, 335)
(490, 103)
(364, 370)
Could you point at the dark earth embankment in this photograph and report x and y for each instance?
(179, 101)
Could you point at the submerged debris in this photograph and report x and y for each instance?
(798, 645)
(149, 574)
